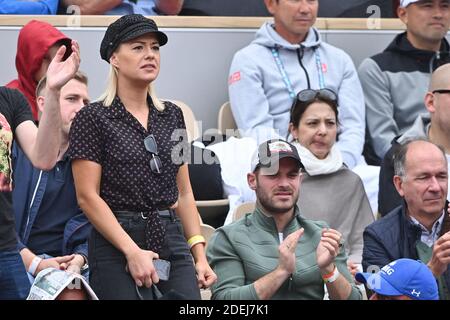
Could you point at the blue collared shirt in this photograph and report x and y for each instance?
(28, 7)
(144, 7)
(427, 237)
(47, 231)
(47, 216)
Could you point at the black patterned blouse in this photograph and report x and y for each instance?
(114, 138)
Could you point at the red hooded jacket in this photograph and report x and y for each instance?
(35, 38)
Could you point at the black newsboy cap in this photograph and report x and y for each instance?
(126, 28)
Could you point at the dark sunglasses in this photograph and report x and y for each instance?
(152, 147)
(309, 95)
(441, 91)
(439, 59)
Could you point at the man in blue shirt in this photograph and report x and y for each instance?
(51, 228)
(28, 7)
(123, 7)
(40, 145)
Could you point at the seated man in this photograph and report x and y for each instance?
(435, 126)
(420, 228)
(123, 7)
(51, 227)
(274, 253)
(287, 56)
(28, 7)
(402, 279)
(41, 146)
(395, 80)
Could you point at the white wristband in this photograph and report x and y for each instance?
(331, 278)
(33, 265)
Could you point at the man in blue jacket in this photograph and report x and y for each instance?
(420, 229)
(41, 147)
(52, 229)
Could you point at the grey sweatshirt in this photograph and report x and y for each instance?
(395, 83)
(261, 102)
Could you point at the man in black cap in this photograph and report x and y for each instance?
(274, 253)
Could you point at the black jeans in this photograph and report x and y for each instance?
(109, 278)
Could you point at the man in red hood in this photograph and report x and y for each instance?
(36, 46)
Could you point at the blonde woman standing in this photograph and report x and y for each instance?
(130, 179)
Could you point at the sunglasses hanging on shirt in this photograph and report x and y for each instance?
(152, 148)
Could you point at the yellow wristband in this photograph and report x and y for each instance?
(195, 240)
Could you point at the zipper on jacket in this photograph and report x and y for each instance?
(300, 53)
(32, 200)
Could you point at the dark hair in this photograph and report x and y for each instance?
(300, 107)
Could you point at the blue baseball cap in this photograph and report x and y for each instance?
(402, 277)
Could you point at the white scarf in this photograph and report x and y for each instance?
(315, 166)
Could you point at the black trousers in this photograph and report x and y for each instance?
(110, 280)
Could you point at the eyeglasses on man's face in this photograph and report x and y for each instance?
(442, 91)
(152, 148)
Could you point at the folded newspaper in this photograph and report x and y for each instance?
(50, 282)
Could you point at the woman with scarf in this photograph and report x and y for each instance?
(330, 191)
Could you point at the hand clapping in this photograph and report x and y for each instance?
(328, 247)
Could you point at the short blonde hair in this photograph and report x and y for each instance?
(79, 76)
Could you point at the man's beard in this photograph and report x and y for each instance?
(268, 206)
